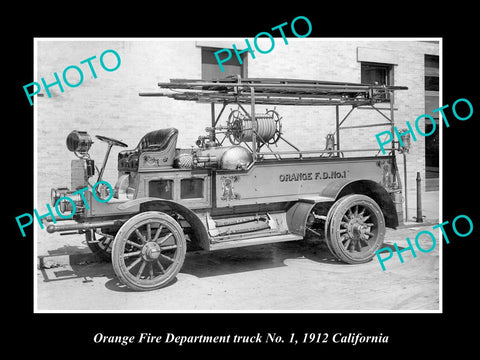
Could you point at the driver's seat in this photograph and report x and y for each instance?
(156, 149)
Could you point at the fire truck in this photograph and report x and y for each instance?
(235, 188)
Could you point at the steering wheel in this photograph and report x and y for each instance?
(111, 141)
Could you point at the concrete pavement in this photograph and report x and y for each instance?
(290, 276)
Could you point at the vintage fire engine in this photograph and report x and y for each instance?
(167, 201)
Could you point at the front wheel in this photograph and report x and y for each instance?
(355, 229)
(148, 251)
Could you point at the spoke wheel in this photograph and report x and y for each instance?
(355, 229)
(100, 245)
(148, 251)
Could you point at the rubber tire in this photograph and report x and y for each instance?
(334, 217)
(119, 244)
(327, 222)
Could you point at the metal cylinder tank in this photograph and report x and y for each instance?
(236, 158)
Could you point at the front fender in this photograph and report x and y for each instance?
(134, 205)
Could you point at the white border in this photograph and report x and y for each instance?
(35, 229)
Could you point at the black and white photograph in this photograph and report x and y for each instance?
(282, 184)
(223, 187)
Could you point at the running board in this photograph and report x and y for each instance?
(255, 241)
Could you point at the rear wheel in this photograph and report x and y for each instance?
(148, 251)
(355, 229)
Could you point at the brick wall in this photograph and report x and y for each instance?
(109, 105)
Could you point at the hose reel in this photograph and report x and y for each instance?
(240, 127)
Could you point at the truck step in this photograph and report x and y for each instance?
(254, 241)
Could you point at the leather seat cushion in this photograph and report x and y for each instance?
(157, 140)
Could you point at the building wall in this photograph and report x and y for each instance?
(109, 105)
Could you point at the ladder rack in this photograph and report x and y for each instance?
(281, 91)
(274, 91)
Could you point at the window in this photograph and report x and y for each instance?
(431, 83)
(161, 189)
(376, 74)
(432, 62)
(191, 188)
(211, 69)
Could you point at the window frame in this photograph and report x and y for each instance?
(211, 49)
(194, 197)
(388, 67)
(172, 187)
(432, 70)
(193, 203)
(389, 76)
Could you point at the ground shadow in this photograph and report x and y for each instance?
(391, 247)
(259, 257)
(115, 284)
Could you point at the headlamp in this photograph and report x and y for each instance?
(79, 141)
